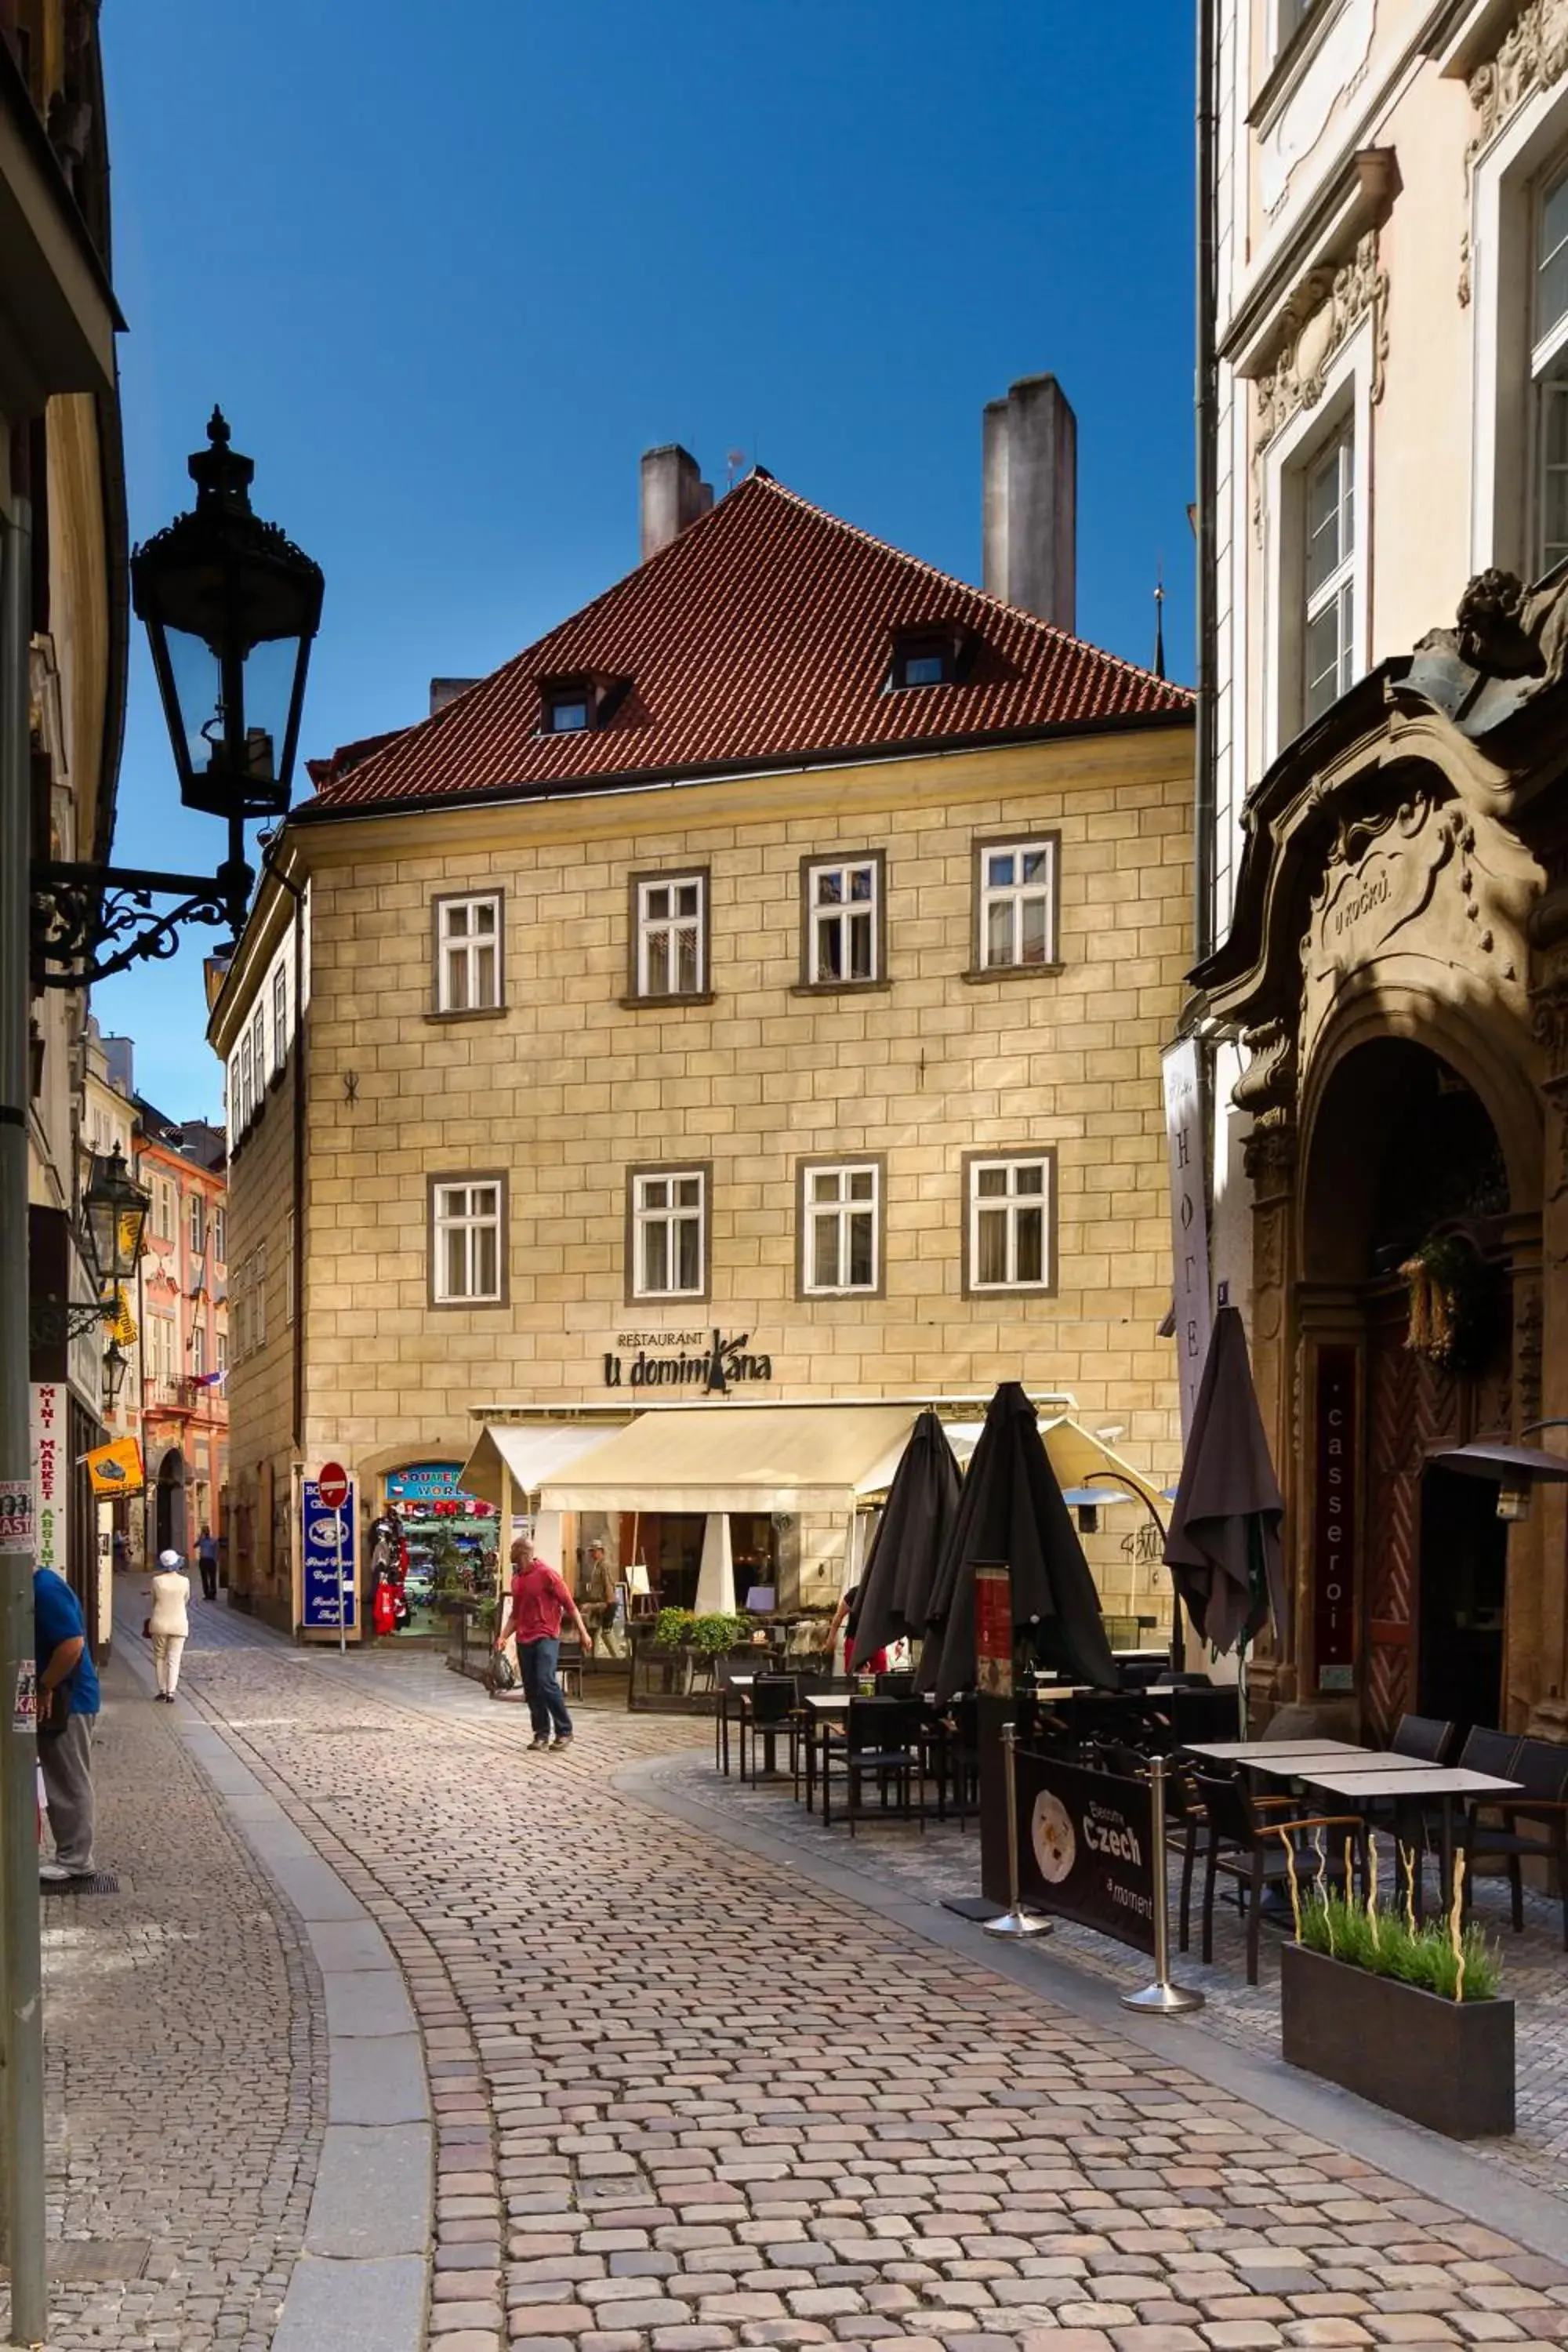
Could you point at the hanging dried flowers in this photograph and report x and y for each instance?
(1453, 1302)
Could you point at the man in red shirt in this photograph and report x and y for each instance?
(539, 1600)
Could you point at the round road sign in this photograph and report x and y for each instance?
(333, 1485)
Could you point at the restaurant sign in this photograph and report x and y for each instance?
(1086, 1847)
(710, 1361)
(1333, 1530)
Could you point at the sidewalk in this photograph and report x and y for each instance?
(185, 2067)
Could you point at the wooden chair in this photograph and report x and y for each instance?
(1493, 1825)
(1246, 1842)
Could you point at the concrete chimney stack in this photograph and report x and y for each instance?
(674, 494)
(1030, 500)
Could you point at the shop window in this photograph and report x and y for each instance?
(841, 1228)
(842, 922)
(669, 927)
(468, 954)
(466, 1260)
(1330, 609)
(667, 1216)
(1015, 904)
(1008, 1239)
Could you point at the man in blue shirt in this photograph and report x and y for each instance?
(67, 1717)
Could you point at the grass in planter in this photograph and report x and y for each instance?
(1436, 1955)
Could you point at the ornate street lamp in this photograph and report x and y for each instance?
(232, 607)
(116, 1364)
(107, 1233)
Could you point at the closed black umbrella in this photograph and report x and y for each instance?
(1011, 1509)
(1223, 1548)
(922, 1501)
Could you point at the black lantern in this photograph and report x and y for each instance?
(116, 1364)
(231, 608)
(114, 1210)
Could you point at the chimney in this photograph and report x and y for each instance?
(444, 690)
(1030, 499)
(674, 494)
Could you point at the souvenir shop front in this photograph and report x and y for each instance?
(430, 1543)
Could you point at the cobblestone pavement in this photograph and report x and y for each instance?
(686, 2101)
(942, 1861)
(183, 2072)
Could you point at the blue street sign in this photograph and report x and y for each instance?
(318, 1605)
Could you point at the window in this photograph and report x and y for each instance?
(198, 1226)
(566, 714)
(247, 1068)
(259, 1297)
(220, 1251)
(1015, 923)
(279, 1017)
(236, 1099)
(1008, 1242)
(220, 1351)
(466, 1262)
(668, 1249)
(198, 1350)
(841, 1221)
(1549, 370)
(843, 918)
(258, 1053)
(670, 926)
(162, 1209)
(468, 954)
(1292, 15)
(1331, 583)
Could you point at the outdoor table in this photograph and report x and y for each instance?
(1333, 1756)
(1411, 1789)
(1244, 1751)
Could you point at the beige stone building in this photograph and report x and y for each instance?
(1385, 1003)
(754, 990)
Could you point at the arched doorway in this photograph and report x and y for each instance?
(1405, 1258)
(170, 1503)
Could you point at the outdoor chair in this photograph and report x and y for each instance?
(1424, 1737)
(724, 1671)
(569, 1668)
(886, 1738)
(768, 1714)
(1493, 1829)
(1244, 1841)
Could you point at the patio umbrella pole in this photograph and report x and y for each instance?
(1162, 1998)
(1015, 1921)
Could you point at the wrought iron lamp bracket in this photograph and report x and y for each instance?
(91, 921)
(50, 1320)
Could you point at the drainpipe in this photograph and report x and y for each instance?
(1206, 406)
(21, 1966)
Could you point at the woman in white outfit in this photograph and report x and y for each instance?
(170, 1622)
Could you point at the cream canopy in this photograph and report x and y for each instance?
(736, 1457)
(532, 1451)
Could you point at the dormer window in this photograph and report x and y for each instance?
(926, 656)
(575, 705)
(570, 713)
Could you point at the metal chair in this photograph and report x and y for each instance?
(1422, 1736)
(1493, 1829)
(768, 1712)
(569, 1669)
(1247, 1846)
(883, 1737)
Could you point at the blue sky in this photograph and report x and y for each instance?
(450, 270)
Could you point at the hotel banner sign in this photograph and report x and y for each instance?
(1186, 1129)
(1334, 1520)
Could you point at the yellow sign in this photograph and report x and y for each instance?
(117, 1469)
(122, 1330)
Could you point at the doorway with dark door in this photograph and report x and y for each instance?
(1463, 1587)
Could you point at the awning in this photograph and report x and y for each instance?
(533, 1451)
(735, 1458)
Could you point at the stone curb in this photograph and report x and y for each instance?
(362, 2281)
(1448, 2174)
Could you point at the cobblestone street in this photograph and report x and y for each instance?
(685, 2098)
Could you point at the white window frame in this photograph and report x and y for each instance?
(247, 1081)
(236, 1098)
(668, 929)
(198, 1349)
(279, 1017)
(259, 1052)
(466, 952)
(840, 1213)
(220, 1352)
(1335, 593)
(471, 1206)
(1347, 395)
(1508, 179)
(198, 1226)
(219, 1233)
(1010, 1204)
(842, 917)
(655, 1207)
(1014, 896)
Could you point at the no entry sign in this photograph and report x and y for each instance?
(333, 1485)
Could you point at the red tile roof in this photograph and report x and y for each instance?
(763, 634)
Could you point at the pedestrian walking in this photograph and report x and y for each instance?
(539, 1600)
(170, 1622)
(596, 1594)
(207, 1559)
(68, 1718)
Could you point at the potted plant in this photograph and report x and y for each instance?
(1407, 2014)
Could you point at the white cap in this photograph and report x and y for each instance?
(170, 1559)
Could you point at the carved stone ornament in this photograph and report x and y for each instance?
(1549, 1028)
(1319, 322)
(1268, 1157)
(1532, 55)
(1268, 1080)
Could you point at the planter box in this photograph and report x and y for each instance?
(1444, 2064)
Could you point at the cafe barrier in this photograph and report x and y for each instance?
(1090, 1846)
(1014, 1920)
